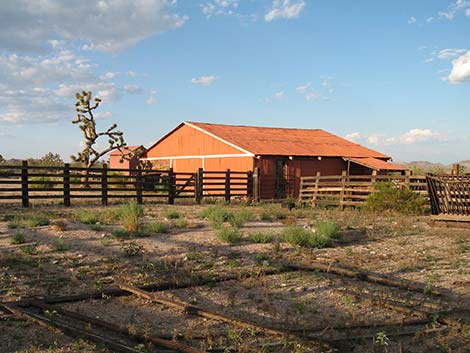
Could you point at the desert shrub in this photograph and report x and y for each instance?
(132, 249)
(272, 212)
(41, 182)
(18, 237)
(240, 218)
(261, 238)
(37, 221)
(155, 227)
(216, 214)
(121, 233)
(59, 244)
(15, 223)
(389, 197)
(180, 223)
(130, 214)
(229, 234)
(172, 214)
(87, 216)
(301, 236)
(109, 215)
(329, 229)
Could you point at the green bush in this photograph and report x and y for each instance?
(329, 229)
(121, 233)
(41, 182)
(261, 238)
(240, 218)
(172, 214)
(301, 236)
(15, 223)
(18, 238)
(272, 212)
(217, 215)
(130, 214)
(59, 244)
(389, 197)
(155, 227)
(87, 216)
(37, 221)
(229, 234)
(180, 223)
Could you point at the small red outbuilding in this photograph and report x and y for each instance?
(282, 155)
(126, 157)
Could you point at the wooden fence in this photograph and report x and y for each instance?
(25, 182)
(449, 194)
(352, 190)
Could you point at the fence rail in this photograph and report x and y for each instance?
(26, 182)
(352, 190)
(449, 194)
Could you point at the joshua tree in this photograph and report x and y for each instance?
(89, 156)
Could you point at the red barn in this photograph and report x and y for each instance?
(116, 160)
(282, 155)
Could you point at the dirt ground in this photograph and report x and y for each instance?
(88, 257)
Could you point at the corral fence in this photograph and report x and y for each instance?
(66, 183)
(352, 190)
(449, 194)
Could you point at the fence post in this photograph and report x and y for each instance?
(171, 187)
(198, 185)
(227, 185)
(315, 195)
(256, 185)
(407, 179)
(104, 185)
(342, 197)
(24, 184)
(373, 178)
(67, 184)
(138, 186)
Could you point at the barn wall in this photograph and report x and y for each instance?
(187, 141)
(214, 164)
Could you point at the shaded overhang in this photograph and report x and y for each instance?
(377, 164)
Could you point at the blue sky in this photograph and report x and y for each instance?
(394, 76)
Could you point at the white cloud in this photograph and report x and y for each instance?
(450, 53)
(428, 60)
(411, 137)
(135, 89)
(353, 136)
(467, 12)
(304, 87)
(219, 7)
(374, 139)
(411, 20)
(152, 99)
(429, 19)
(279, 95)
(204, 80)
(460, 69)
(310, 93)
(284, 9)
(108, 75)
(453, 9)
(106, 25)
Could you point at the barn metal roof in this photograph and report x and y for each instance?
(377, 164)
(286, 141)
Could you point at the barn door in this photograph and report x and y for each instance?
(281, 179)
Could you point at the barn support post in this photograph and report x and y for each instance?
(198, 185)
(455, 169)
(104, 185)
(342, 197)
(66, 185)
(256, 184)
(138, 186)
(407, 179)
(171, 187)
(227, 185)
(24, 184)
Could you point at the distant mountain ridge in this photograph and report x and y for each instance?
(430, 167)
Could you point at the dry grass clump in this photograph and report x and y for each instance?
(59, 225)
(130, 215)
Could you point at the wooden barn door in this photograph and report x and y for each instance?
(281, 179)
